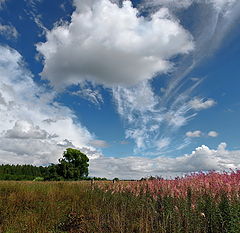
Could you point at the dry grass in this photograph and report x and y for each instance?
(39, 207)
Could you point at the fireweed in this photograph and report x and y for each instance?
(195, 185)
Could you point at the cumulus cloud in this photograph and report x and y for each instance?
(213, 134)
(31, 126)
(201, 159)
(194, 134)
(8, 31)
(198, 133)
(200, 104)
(26, 130)
(112, 45)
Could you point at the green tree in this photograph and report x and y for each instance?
(52, 173)
(73, 165)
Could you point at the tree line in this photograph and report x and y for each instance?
(21, 172)
(73, 166)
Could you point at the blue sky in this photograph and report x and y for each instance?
(142, 87)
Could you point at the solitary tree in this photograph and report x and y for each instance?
(73, 165)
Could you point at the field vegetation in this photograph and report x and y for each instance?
(197, 203)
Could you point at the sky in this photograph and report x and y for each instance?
(142, 87)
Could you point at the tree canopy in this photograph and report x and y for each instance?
(73, 165)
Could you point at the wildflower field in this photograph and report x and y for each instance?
(196, 203)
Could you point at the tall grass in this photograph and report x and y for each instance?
(198, 203)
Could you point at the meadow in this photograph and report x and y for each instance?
(196, 203)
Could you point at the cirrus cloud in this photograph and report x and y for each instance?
(8, 31)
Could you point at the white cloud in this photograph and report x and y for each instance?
(138, 98)
(194, 134)
(219, 5)
(34, 127)
(201, 159)
(90, 94)
(198, 133)
(213, 134)
(99, 143)
(163, 143)
(200, 104)
(222, 4)
(26, 130)
(167, 3)
(8, 31)
(148, 117)
(112, 45)
(136, 106)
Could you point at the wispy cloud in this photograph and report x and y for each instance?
(163, 143)
(148, 119)
(8, 31)
(212, 21)
(90, 93)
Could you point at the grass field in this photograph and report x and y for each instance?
(198, 203)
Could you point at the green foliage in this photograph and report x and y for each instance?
(73, 166)
(99, 178)
(21, 172)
